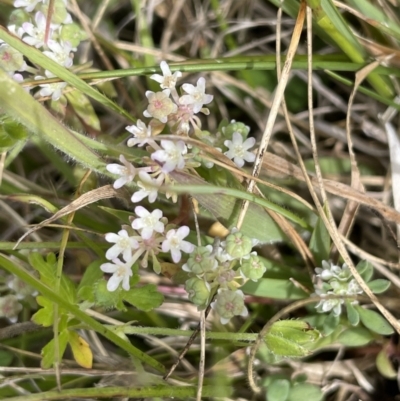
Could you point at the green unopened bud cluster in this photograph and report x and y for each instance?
(223, 268)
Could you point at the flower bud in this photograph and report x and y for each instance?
(11, 60)
(60, 13)
(198, 291)
(226, 277)
(235, 126)
(252, 268)
(18, 17)
(73, 34)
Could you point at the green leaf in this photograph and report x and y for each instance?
(385, 365)
(365, 269)
(104, 298)
(355, 337)
(44, 316)
(17, 269)
(48, 351)
(121, 215)
(47, 271)
(144, 298)
(221, 203)
(330, 324)
(273, 288)
(84, 109)
(306, 392)
(320, 242)
(11, 133)
(81, 350)
(288, 337)
(379, 285)
(374, 321)
(352, 314)
(278, 390)
(90, 277)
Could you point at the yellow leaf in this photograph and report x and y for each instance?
(81, 350)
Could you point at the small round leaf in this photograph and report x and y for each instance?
(378, 286)
(278, 390)
(374, 321)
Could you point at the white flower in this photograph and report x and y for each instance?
(171, 156)
(60, 53)
(167, 80)
(196, 95)
(174, 242)
(329, 271)
(123, 244)
(29, 5)
(54, 90)
(238, 150)
(354, 288)
(121, 272)
(35, 34)
(160, 105)
(148, 222)
(326, 305)
(141, 134)
(149, 187)
(127, 172)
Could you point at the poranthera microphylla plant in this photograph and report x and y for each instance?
(221, 268)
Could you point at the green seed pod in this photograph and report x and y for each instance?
(228, 304)
(198, 291)
(73, 34)
(238, 245)
(200, 261)
(18, 17)
(252, 268)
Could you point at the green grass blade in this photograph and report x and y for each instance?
(20, 105)
(333, 24)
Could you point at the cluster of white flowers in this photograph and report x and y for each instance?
(208, 268)
(57, 41)
(179, 112)
(335, 280)
(147, 236)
